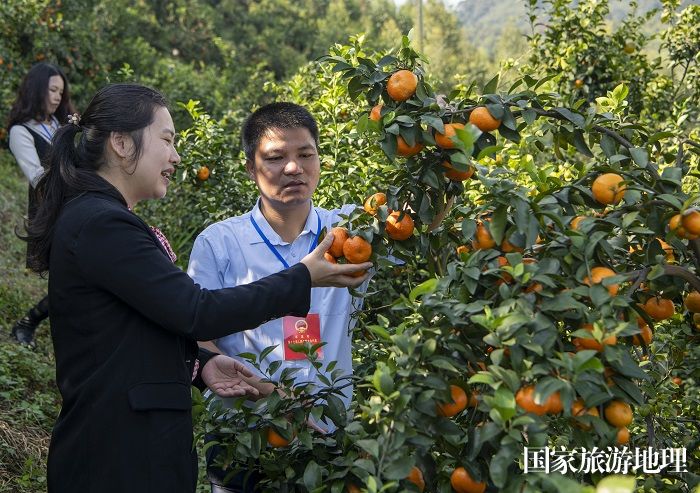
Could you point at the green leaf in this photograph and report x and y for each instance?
(431, 179)
(468, 136)
(620, 93)
(529, 116)
(656, 272)
(423, 288)
(397, 469)
(659, 136)
(335, 409)
(383, 380)
(640, 156)
(671, 199)
(369, 446)
(434, 122)
(608, 145)
(629, 218)
(509, 134)
(312, 475)
(380, 332)
(580, 144)
(498, 223)
(561, 302)
(498, 468)
(574, 118)
(497, 111)
(491, 86)
(266, 351)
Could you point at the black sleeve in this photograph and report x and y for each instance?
(117, 253)
(204, 355)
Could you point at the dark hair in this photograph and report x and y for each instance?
(275, 115)
(31, 96)
(79, 151)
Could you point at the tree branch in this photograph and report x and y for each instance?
(692, 143)
(683, 273)
(640, 279)
(671, 270)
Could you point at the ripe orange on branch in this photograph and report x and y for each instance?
(590, 343)
(456, 175)
(691, 222)
(659, 308)
(692, 302)
(340, 235)
(203, 173)
(444, 140)
(456, 406)
(375, 114)
(618, 413)
(608, 188)
(399, 226)
(275, 439)
(462, 482)
(373, 203)
(482, 119)
(623, 436)
(578, 409)
(525, 398)
(597, 276)
(482, 238)
(416, 477)
(675, 225)
(645, 334)
(402, 85)
(357, 250)
(405, 150)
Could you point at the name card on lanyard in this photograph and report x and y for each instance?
(296, 329)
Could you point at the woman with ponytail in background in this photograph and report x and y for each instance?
(124, 319)
(42, 105)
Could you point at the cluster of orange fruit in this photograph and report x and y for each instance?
(401, 86)
(399, 225)
(460, 479)
(618, 413)
(609, 189)
(355, 249)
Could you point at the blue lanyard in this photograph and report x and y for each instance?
(47, 132)
(272, 247)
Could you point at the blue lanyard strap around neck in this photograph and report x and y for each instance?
(46, 130)
(272, 247)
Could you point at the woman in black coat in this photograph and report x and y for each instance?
(124, 318)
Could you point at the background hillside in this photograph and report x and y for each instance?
(486, 22)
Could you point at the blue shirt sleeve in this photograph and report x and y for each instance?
(204, 266)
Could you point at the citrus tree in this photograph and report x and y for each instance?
(548, 304)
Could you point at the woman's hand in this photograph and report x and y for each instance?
(325, 274)
(226, 377)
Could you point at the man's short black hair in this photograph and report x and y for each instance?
(282, 115)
